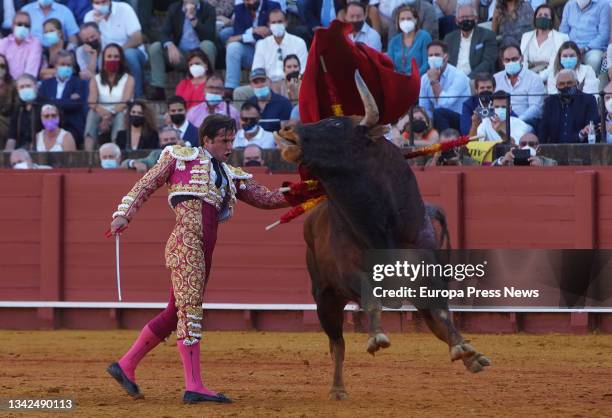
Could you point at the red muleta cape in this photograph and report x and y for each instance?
(394, 92)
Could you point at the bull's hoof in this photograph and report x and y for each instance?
(472, 359)
(338, 394)
(377, 342)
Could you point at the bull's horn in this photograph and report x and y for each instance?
(369, 104)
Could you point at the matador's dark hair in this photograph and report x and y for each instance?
(215, 123)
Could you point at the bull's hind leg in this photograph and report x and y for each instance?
(441, 324)
(330, 309)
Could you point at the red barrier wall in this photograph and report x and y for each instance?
(52, 245)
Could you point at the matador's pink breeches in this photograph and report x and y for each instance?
(189, 257)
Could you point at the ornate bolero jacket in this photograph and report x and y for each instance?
(187, 171)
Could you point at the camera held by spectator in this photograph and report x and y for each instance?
(527, 153)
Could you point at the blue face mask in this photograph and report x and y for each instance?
(501, 113)
(102, 8)
(435, 62)
(27, 94)
(569, 63)
(262, 92)
(213, 98)
(250, 128)
(50, 39)
(21, 32)
(64, 72)
(45, 3)
(513, 67)
(109, 164)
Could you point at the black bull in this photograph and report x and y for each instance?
(373, 203)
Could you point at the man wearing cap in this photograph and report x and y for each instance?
(275, 109)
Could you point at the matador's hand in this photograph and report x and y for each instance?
(118, 224)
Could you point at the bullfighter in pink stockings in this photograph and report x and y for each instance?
(202, 192)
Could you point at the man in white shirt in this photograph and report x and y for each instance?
(524, 86)
(272, 50)
(251, 132)
(119, 24)
(362, 32)
(494, 128)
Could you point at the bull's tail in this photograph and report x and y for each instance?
(436, 213)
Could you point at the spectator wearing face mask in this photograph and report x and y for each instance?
(188, 25)
(109, 91)
(69, 93)
(568, 115)
(419, 127)
(568, 58)
(53, 138)
(88, 55)
(252, 132)
(168, 136)
(444, 88)
(41, 11)
(289, 87)
(192, 88)
(410, 42)
(493, 128)
(587, 22)
(271, 51)
(119, 25)
(539, 47)
(252, 156)
(213, 104)
(22, 160)
(22, 50)
(362, 32)
(276, 109)
(177, 111)
(471, 49)
(524, 86)
(250, 25)
(484, 85)
(25, 121)
(529, 142)
(53, 42)
(110, 155)
(141, 130)
(425, 10)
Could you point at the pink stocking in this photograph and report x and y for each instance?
(146, 342)
(190, 354)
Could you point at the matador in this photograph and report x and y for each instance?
(203, 190)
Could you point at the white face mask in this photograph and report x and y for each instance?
(583, 3)
(609, 105)
(277, 29)
(21, 166)
(197, 70)
(407, 26)
(532, 151)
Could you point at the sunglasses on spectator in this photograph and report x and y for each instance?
(246, 121)
(531, 144)
(25, 25)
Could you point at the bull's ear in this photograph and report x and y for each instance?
(378, 132)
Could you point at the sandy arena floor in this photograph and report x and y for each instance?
(288, 374)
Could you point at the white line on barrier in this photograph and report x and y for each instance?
(279, 307)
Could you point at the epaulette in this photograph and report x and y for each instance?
(181, 153)
(238, 173)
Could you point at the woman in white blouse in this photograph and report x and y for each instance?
(569, 58)
(53, 138)
(539, 47)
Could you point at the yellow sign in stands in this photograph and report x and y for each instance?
(482, 151)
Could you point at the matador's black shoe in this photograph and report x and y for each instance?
(195, 397)
(130, 387)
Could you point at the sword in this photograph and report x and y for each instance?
(117, 264)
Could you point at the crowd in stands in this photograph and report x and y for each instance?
(94, 74)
